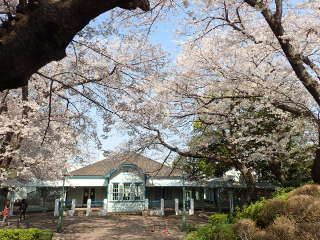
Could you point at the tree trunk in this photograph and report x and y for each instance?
(315, 170)
(41, 33)
(250, 194)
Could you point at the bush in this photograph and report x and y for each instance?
(224, 232)
(209, 232)
(297, 205)
(263, 235)
(205, 232)
(312, 213)
(192, 236)
(246, 229)
(309, 231)
(252, 211)
(25, 234)
(283, 228)
(270, 211)
(282, 193)
(218, 219)
(310, 190)
(190, 228)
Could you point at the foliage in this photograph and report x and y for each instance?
(311, 213)
(218, 219)
(282, 193)
(189, 228)
(296, 206)
(309, 189)
(270, 211)
(245, 228)
(217, 232)
(25, 234)
(192, 236)
(293, 215)
(283, 228)
(252, 211)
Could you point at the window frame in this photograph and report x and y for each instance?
(115, 191)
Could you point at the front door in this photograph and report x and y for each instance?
(88, 193)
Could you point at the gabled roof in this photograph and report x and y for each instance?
(148, 166)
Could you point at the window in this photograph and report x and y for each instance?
(137, 191)
(188, 195)
(115, 191)
(126, 191)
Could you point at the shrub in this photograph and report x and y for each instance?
(25, 234)
(246, 229)
(263, 235)
(308, 231)
(224, 232)
(312, 213)
(190, 228)
(283, 228)
(297, 205)
(218, 219)
(252, 211)
(209, 232)
(205, 232)
(309, 189)
(282, 193)
(272, 209)
(192, 236)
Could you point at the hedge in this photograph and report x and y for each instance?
(25, 234)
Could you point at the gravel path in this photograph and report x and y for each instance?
(112, 227)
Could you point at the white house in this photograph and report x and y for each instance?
(125, 181)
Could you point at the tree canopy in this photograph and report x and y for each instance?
(247, 71)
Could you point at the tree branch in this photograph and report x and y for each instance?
(41, 35)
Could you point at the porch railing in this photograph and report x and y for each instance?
(154, 204)
(97, 203)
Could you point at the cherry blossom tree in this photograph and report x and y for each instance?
(65, 97)
(48, 124)
(34, 33)
(283, 34)
(234, 52)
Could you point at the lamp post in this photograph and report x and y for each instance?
(61, 208)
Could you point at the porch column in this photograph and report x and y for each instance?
(162, 206)
(191, 210)
(56, 208)
(11, 207)
(105, 207)
(230, 194)
(176, 206)
(218, 200)
(88, 207)
(146, 204)
(73, 206)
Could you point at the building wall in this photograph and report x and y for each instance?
(122, 177)
(126, 206)
(126, 176)
(85, 182)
